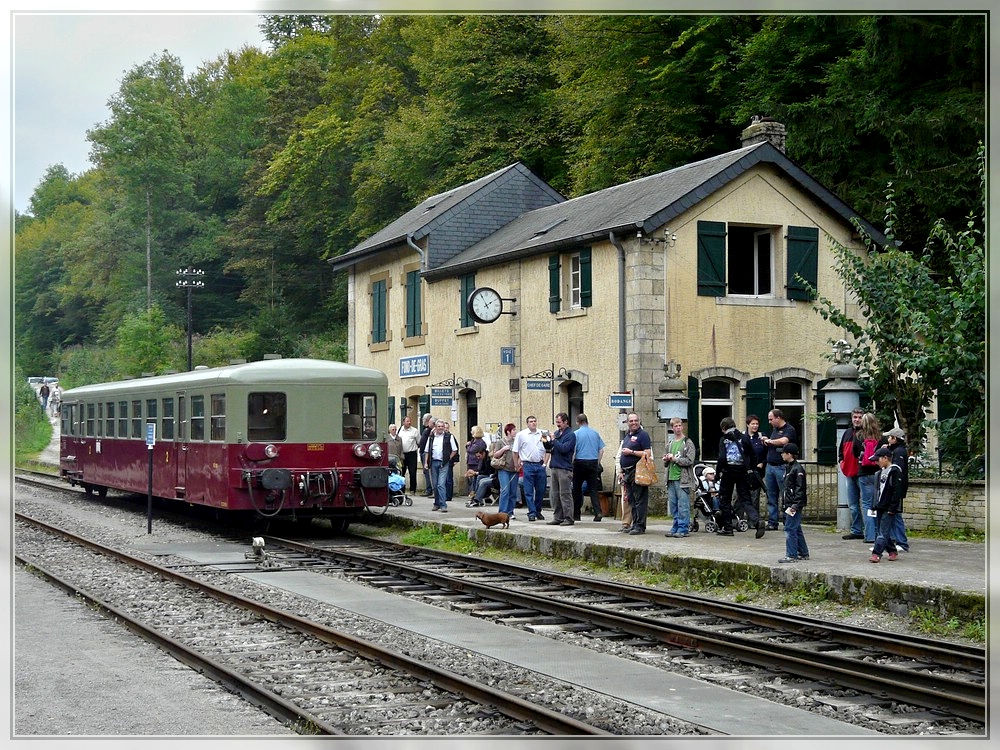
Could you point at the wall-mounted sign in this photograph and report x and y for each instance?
(507, 355)
(620, 400)
(416, 366)
(539, 385)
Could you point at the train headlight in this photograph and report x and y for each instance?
(375, 451)
(360, 450)
(271, 450)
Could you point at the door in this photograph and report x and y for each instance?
(181, 444)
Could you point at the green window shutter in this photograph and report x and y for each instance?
(553, 283)
(392, 410)
(694, 411)
(424, 407)
(759, 400)
(586, 284)
(711, 259)
(468, 284)
(378, 312)
(803, 260)
(826, 429)
(413, 322)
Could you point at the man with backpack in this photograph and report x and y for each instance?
(849, 454)
(736, 459)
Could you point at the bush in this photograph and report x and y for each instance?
(32, 430)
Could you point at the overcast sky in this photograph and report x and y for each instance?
(67, 66)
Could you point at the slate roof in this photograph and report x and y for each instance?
(644, 204)
(455, 219)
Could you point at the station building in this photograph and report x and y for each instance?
(694, 273)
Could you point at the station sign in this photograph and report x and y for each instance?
(538, 385)
(150, 435)
(506, 355)
(416, 366)
(619, 400)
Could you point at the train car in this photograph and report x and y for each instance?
(297, 438)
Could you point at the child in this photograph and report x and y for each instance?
(887, 504)
(793, 500)
(708, 490)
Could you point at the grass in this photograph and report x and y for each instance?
(31, 438)
(929, 621)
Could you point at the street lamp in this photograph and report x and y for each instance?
(190, 280)
(673, 399)
(843, 396)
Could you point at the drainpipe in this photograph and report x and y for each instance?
(411, 243)
(621, 309)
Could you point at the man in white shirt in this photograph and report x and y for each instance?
(439, 453)
(530, 455)
(410, 438)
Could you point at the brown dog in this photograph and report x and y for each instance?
(492, 519)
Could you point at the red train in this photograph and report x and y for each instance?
(297, 438)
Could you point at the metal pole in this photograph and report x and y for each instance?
(189, 326)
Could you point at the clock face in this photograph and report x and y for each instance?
(485, 305)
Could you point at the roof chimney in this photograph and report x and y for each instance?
(764, 129)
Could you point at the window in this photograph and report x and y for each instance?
(100, 419)
(109, 427)
(359, 416)
(789, 398)
(218, 416)
(90, 421)
(379, 311)
(151, 414)
(137, 419)
(741, 260)
(123, 419)
(197, 418)
(414, 323)
(570, 281)
(749, 261)
(266, 416)
(168, 419)
(467, 285)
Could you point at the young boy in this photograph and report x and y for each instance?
(793, 500)
(887, 503)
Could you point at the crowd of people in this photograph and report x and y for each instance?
(519, 466)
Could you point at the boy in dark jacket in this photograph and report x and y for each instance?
(793, 500)
(736, 459)
(887, 504)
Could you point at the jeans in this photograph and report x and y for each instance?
(883, 540)
(854, 504)
(534, 488)
(439, 479)
(774, 477)
(867, 483)
(795, 540)
(508, 491)
(679, 507)
(899, 532)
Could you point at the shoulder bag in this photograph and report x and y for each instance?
(645, 471)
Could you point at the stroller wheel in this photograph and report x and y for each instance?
(711, 527)
(407, 500)
(743, 525)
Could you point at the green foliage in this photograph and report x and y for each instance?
(146, 342)
(920, 331)
(929, 621)
(32, 430)
(220, 347)
(452, 540)
(807, 592)
(84, 365)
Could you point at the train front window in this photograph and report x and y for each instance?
(266, 416)
(359, 420)
(218, 416)
(197, 417)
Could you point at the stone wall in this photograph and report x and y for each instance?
(945, 504)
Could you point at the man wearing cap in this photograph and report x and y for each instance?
(793, 500)
(887, 503)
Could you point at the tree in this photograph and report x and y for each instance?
(145, 342)
(919, 332)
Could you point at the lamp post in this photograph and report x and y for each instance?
(673, 399)
(190, 280)
(843, 395)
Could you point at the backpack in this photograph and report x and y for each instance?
(734, 452)
(849, 462)
(868, 454)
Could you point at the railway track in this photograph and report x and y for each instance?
(948, 679)
(321, 680)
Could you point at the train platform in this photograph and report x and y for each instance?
(948, 577)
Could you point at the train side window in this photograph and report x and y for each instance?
(266, 416)
(90, 420)
(197, 417)
(137, 419)
(123, 419)
(151, 414)
(168, 419)
(100, 419)
(359, 420)
(109, 427)
(65, 419)
(218, 416)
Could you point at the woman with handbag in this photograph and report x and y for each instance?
(636, 447)
(502, 459)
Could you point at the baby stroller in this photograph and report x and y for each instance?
(397, 483)
(701, 506)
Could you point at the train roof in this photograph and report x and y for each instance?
(266, 372)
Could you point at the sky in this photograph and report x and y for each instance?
(66, 66)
